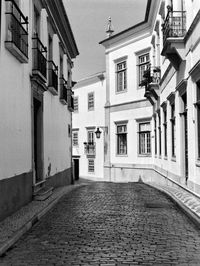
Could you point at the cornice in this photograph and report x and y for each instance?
(57, 12)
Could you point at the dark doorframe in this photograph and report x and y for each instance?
(76, 169)
(38, 139)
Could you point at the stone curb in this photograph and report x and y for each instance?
(34, 219)
(186, 209)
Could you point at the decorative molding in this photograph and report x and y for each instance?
(171, 97)
(121, 122)
(123, 58)
(195, 72)
(181, 87)
(164, 105)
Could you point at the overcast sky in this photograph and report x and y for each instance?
(88, 19)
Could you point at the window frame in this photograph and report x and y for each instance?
(90, 107)
(147, 137)
(89, 161)
(197, 104)
(121, 86)
(123, 137)
(173, 129)
(155, 135)
(77, 139)
(76, 105)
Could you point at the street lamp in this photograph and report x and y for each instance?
(98, 133)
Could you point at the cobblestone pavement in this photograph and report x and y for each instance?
(110, 224)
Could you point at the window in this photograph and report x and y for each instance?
(90, 166)
(144, 64)
(76, 104)
(121, 76)
(121, 139)
(144, 138)
(155, 134)
(198, 117)
(173, 124)
(75, 138)
(90, 136)
(159, 133)
(36, 21)
(91, 101)
(165, 129)
(69, 130)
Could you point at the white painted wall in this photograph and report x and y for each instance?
(84, 118)
(15, 111)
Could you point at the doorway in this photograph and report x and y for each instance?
(38, 140)
(76, 169)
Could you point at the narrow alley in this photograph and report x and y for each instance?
(110, 224)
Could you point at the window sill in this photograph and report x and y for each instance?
(119, 92)
(14, 50)
(121, 155)
(144, 155)
(173, 159)
(198, 162)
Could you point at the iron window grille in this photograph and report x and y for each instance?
(53, 75)
(63, 90)
(17, 30)
(39, 56)
(174, 25)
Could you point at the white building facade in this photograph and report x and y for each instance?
(88, 115)
(152, 110)
(36, 52)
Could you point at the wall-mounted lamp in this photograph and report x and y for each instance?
(98, 133)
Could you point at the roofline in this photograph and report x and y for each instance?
(133, 27)
(100, 76)
(57, 9)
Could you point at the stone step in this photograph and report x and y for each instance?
(43, 193)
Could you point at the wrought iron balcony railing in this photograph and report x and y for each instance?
(63, 90)
(39, 56)
(174, 25)
(90, 148)
(17, 27)
(151, 76)
(70, 99)
(53, 75)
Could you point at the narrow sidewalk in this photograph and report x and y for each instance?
(14, 226)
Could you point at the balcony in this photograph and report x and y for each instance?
(151, 82)
(70, 99)
(53, 78)
(174, 31)
(39, 70)
(63, 90)
(17, 31)
(90, 149)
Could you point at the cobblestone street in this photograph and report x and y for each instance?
(110, 224)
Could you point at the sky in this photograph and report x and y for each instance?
(88, 20)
